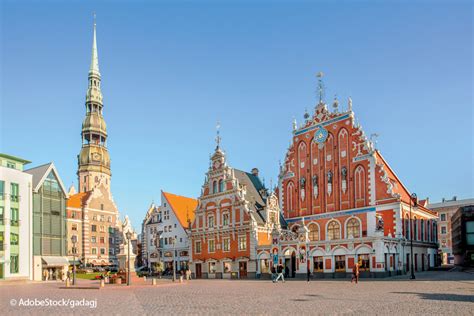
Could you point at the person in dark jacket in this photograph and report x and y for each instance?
(280, 273)
(273, 270)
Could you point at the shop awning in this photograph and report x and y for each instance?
(51, 261)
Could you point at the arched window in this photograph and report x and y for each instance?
(407, 227)
(313, 232)
(359, 186)
(302, 155)
(289, 196)
(415, 228)
(214, 187)
(334, 230)
(353, 228)
(221, 185)
(422, 229)
(295, 228)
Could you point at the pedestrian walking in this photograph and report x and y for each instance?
(355, 273)
(308, 275)
(188, 274)
(273, 271)
(280, 273)
(287, 272)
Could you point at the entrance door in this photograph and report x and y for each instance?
(293, 264)
(198, 271)
(243, 269)
(422, 262)
(408, 262)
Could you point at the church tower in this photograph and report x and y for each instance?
(94, 159)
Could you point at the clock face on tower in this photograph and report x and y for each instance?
(96, 156)
(217, 164)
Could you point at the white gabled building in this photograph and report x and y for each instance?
(169, 223)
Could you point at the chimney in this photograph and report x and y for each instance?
(255, 172)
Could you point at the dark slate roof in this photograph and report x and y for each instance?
(38, 173)
(254, 185)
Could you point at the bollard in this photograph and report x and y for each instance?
(102, 283)
(68, 284)
(180, 279)
(144, 278)
(153, 281)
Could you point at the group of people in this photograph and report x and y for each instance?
(277, 273)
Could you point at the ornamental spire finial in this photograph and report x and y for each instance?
(94, 69)
(218, 137)
(320, 86)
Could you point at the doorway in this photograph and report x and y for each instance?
(293, 265)
(198, 271)
(243, 269)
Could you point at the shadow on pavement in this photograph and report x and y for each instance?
(441, 296)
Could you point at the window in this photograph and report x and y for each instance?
(102, 218)
(407, 227)
(221, 185)
(212, 267)
(102, 228)
(94, 217)
(210, 221)
(2, 239)
(93, 239)
(102, 251)
(14, 239)
(94, 228)
(334, 230)
(197, 247)
(353, 228)
(318, 264)
(102, 240)
(313, 232)
(364, 262)
(214, 187)
(211, 245)
(2, 189)
(2, 214)
(340, 263)
(422, 229)
(227, 267)
(166, 229)
(14, 264)
(14, 192)
(11, 165)
(289, 200)
(102, 208)
(74, 227)
(109, 219)
(443, 217)
(225, 219)
(14, 216)
(415, 228)
(174, 225)
(73, 214)
(242, 242)
(226, 244)
(443, 229)
(470, 233)
(94, 251)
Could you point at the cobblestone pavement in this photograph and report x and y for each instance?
(434, 293)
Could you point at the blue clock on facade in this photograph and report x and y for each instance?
(320, 135)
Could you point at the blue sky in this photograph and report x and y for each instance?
(171, 70)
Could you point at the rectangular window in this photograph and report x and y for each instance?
(212, 267)
(102, 218)
(14, 192)
(14, 239)
(226, 244)
(225, 219)
(93, 239)
(340, 263)
(443, 217)
(94, 217)
(73, 214)
(318, 264)
(2, 215)
(470, 233)
(242, 243)
(94, 228)
(102, 240)
(2, 239)
(197, 247)
(227, 267)
(74, 227)
(443, 229)
(102, 251)
(364, 262)
(211, 245)
(94, 251)
(14, 216)
(2, 190)
(14, 264)
(102, 228)
(210, 221)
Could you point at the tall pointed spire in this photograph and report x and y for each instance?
(95, 57)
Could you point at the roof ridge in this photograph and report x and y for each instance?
(45, 164)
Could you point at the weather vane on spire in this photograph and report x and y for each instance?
(218, 137)
(320, 86)
(93, 13)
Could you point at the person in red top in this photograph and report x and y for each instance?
(355, 273)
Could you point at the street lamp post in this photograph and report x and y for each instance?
(157, 246)
(174, 258)
(74, 241)
(129, 237)
(414, 200)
